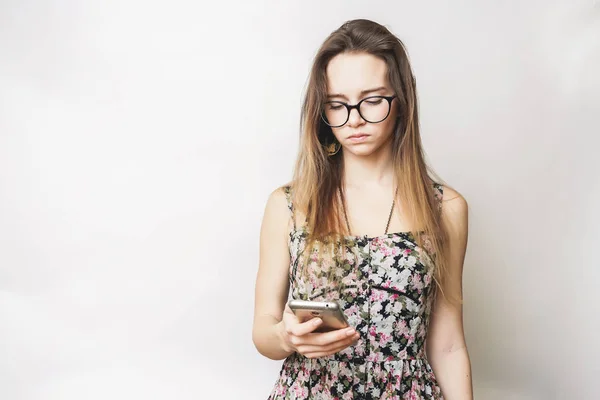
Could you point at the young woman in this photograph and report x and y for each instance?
(364, 224)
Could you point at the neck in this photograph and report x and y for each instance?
(364, 171)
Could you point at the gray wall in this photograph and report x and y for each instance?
(139, 142)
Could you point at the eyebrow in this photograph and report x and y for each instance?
(362, 93)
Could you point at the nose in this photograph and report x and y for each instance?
(354, 119)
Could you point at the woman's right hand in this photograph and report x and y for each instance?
(299, 336)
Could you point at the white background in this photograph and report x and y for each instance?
(139, 142)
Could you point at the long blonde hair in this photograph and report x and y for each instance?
(318, 176)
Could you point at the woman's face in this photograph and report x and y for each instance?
(352, 77)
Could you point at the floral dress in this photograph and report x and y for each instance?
(387, 298)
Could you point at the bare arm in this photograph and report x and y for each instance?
(277, 332)
(446, 346)
(272, 285)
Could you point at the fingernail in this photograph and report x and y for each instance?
(350, 332)
(318, 321)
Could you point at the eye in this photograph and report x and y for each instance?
(374, 101)
(333, 106)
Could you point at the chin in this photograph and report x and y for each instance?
(361, 151)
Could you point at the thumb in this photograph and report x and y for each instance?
(299, 327)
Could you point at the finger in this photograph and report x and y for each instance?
(335, 346)
(317, 354)
(304, 328)
(323, 339)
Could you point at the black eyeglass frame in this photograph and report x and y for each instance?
(350, 107)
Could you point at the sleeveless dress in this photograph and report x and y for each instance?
(387, 298)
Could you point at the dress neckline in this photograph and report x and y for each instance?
(409, 234)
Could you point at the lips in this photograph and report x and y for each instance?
(358, 137)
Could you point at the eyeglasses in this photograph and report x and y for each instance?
(372, 109)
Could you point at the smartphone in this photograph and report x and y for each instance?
(329, 311)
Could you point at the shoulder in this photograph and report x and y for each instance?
(453, 202)
(279, 202)
(276, 218)
(279, 198)
(455, 212)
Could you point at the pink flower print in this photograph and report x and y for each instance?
(352, 310)
(359, 350)
(372, 331)
(402, 355)
(402, 328)
(414, 391)
(351, 278)
(280, 390)
(299, 390)
(427, 279)
(384, 338)
(375, 357)
(417, 283)
(377, 295)
(389, 332)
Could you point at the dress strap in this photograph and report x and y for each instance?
(438, 192)
(288, 196)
